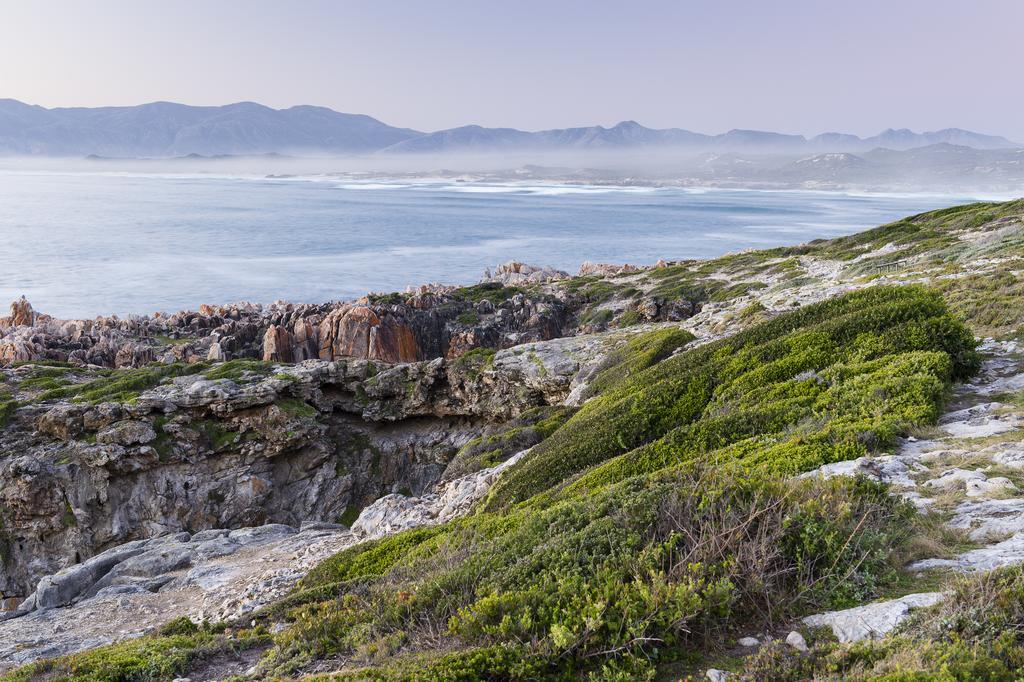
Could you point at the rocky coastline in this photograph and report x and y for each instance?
(200, 464)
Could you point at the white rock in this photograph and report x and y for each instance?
(716, 675)
(393, 513)
(992, 486)
(979, 410)
(871, 620)
(1005, 553)
(984, 519)
(920, 449)
(978, 421)
(749, 641)
(953, 478)
(917, 499)
(892, 469)
(1009, 457)
(980, 428)
(796, 640)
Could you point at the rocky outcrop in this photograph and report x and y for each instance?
(396, 328)
(215, 574)
(588, 269)
(361, 332)
(298, 443)
(515, 304)
(514, 273)
(22, 314)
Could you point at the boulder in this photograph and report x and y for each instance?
(513, 273)
(67, 585)
(872, 620)
(797, 641)
(127, 433)
(604, 269)
(148, 568)
(360, 332)
(102, 415)
(259, 534)
(62, 422)
(216, 353)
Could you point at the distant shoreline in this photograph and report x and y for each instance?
(509, 179)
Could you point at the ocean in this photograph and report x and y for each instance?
(85, 244)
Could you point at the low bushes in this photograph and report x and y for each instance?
(856, 371)
(636, 355)
(661, 514)
(613, 580)
(493, 448)
(124, 385)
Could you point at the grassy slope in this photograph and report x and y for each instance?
(659, 516)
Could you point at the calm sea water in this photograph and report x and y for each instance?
(80, 245)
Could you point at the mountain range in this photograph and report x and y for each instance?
(167, 129)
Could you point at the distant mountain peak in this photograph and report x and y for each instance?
(170, 129)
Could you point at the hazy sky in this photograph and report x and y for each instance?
(788, 65)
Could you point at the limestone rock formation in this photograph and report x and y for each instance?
(515, 273)
(588, 269)
(291, 444)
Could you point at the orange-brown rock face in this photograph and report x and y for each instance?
(392, 341)
(282, 345)
(461, 343)
(359, 332)
(346, 332)
(22, 314)
(305, 341)
(277, 344)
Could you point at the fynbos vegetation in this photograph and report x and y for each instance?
(661, 514)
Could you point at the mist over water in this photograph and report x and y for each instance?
(84, 244)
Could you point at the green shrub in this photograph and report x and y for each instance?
(514, 436)
(487, 291)
(296, 408)
(368, 559)
(770, 378)
(637, 354)
(474, 362)
(237, 369)
(8, 406)
(591, 584)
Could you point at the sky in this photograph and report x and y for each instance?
(793, 66)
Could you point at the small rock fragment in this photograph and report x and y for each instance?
(797, 641)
